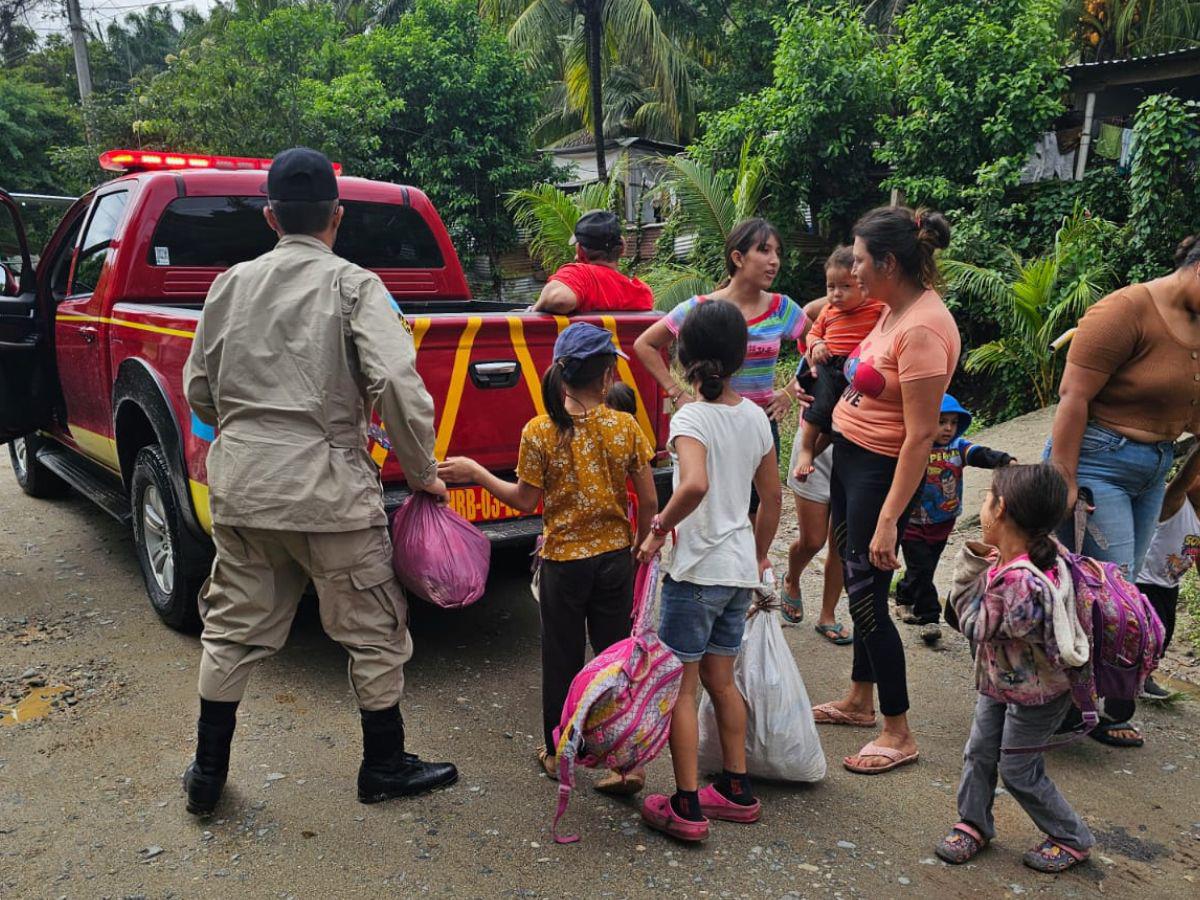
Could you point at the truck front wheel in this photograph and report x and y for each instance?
(34, 478)
(159, 535)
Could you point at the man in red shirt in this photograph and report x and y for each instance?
(593, 282)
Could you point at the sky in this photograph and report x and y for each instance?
(51, 17)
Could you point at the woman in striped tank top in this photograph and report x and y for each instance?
(752, 259)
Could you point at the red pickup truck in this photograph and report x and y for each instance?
(93, 342)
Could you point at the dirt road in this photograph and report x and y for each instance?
(90, 803)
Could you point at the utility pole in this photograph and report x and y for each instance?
(83, 68)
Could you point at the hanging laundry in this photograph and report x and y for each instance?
(1047, 162)
(1128, 144)
(1108, 143)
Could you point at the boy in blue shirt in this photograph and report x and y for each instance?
(933, 516)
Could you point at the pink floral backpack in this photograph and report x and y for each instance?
(618, 710)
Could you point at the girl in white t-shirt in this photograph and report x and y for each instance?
(722, 446)
(1173, 550)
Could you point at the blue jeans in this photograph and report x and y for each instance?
(1127, 480)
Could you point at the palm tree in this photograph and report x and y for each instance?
(1037, 301)
(1116, 29)
(708, 206)
(578, 42)
(548, 214)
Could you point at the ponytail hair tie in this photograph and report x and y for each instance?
(919, 221)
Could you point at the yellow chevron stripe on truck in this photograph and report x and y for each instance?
(626, 374)
(458, 378)
(516, 330)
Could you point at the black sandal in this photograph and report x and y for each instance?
(1104, 734)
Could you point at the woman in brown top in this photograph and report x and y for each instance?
(1130, 389)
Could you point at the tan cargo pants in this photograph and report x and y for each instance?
(250, 599)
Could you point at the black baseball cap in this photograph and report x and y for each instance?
(301, 174)
(598, 230)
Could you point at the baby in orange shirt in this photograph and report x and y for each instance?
(840, 328)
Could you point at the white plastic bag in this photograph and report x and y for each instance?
(781, 736)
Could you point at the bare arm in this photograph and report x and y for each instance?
(643, 486)
(1183, 488)
(649, 348)
(770, 505)
(520, 495)
(1075, 392)
(922, 399)
(693, 485)
(556, 298)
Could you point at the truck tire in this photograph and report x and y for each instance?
(162, 542)
(34, 478)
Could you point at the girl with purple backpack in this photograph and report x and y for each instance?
(1015, 602)
(722, 445)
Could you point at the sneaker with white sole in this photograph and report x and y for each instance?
(1152, 690)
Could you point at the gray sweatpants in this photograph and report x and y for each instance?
(1024, 774)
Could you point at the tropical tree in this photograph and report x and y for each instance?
(1115, 29)
(1037, 301)
(576, 43)
(547, 215)
(708, 205)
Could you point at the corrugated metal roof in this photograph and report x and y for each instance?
(1171, 56)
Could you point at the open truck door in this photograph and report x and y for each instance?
(26, 350)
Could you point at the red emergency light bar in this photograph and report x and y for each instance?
(146, 160)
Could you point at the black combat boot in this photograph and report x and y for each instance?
(387, 771)
(205, 776)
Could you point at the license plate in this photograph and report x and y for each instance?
(477, 505)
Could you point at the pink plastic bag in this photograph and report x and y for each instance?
(437, 554)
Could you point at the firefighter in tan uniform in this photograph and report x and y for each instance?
(292, 352)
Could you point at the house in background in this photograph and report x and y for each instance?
(1103, 99)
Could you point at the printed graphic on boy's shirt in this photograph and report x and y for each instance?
(1179, 563)
(863, 378)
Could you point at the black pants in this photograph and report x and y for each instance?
(580, 599)
(861, 481)
(916, 588)
(827, 391)
(1164, 600)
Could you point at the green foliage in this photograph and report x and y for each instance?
(708, 205)
(439, 100)
(975, 84)
(1037, 300)
(816, 123)
(549, 215)
(32, 119)
(1163, 187)
(1116, 29)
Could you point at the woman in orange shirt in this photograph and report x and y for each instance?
(883, 428)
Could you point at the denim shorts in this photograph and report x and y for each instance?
(696, 619)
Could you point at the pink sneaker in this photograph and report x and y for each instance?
(716, 805)
(658, 814)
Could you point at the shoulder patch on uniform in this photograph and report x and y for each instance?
(404, 322)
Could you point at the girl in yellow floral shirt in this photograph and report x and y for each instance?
(575, 461)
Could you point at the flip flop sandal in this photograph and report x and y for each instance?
(834, 633)
(962, 844)
(828, 714)
(1104, 734)
(896, 759)
(617, 785)
(1052, 857)
(792, 609)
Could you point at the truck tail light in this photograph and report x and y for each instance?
(147, 160)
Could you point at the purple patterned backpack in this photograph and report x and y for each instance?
(1126, 637)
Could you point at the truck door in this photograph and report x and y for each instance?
(81, 330)
(26, 352)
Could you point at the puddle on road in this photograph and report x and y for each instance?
(35, 705)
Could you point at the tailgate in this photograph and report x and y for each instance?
(484, 373)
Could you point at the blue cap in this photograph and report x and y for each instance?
(581, 340)
(950, 405)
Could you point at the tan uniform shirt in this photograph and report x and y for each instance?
(292, 352)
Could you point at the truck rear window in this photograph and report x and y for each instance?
(221, 231)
